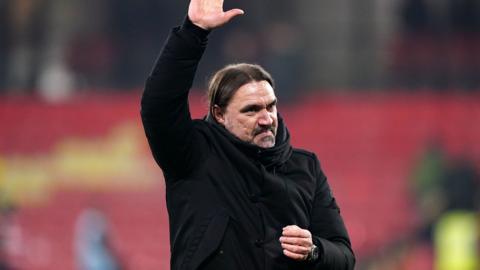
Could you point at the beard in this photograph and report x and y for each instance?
(266, 141)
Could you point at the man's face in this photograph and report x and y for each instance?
(251, 114)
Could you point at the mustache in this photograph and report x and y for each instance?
(259, 130)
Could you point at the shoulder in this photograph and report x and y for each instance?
(323, 190)
(307, 158)
(305, 155)
(206, 130)
(203, 126)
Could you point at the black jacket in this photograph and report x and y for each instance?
(228, 200)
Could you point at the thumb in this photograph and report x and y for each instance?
(233, 13)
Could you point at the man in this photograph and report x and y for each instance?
(238, 195)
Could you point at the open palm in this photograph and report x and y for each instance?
(209, 14)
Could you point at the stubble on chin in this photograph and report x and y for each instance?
(266, 142)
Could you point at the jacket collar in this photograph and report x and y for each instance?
(268, 157)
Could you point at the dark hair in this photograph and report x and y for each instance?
(225, 83)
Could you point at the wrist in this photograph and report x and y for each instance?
(197, 30)
(313, 255)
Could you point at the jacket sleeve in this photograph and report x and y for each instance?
(169, 128)
(328, 230)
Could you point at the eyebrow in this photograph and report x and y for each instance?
(257, 107)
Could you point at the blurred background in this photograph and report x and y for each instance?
(385, 92)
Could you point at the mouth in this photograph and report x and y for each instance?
(264, 132)
(265, 138)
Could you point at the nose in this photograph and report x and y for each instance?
(265, 119)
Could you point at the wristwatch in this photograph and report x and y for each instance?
(313, 254)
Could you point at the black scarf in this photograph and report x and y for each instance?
(269, 157)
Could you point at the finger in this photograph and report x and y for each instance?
(289, 227)
(295, 256)
(296, 241)
(233, 13)
(296, 232)
(296, 249)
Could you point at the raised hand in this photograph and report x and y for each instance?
(209, 14)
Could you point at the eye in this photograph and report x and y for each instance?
(252, 109)
(250, 112)
(271, 107)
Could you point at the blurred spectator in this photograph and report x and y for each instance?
(84, 43)
(22, 37)
(442, 184)
(10, 235)
(428, 189)
(461, 185)
(92, 242)
(4, 216)
(447, 194)
(55, 47)
(457, 231)
(36, 36)
(438, 45)
(457, 244)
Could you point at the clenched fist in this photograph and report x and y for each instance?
(296, 242)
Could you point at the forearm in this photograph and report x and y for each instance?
(174, 70)
(335, 254)
(164, 106)
(328, 229)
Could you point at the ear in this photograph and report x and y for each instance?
(218, 114)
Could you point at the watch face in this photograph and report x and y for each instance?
(314, 253)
